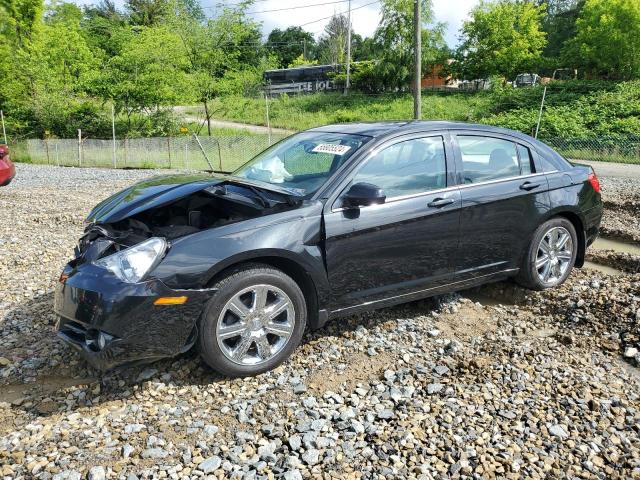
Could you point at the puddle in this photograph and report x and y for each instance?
(42, 386)
(602, 243)
(602, 268)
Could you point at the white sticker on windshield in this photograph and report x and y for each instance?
(331, 148)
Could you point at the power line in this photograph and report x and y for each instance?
(300, 6)
(279, 9)
(341, 13)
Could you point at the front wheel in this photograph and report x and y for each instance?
(254, 321)
(550, 255)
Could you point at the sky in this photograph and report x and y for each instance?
(364, 20)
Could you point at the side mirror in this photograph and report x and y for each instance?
(363, 194)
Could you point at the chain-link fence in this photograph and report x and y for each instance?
(607, 149)
(226, 153)
(190, 153)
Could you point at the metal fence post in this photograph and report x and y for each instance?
(205, 153)
(79, 147)
(46, 147)
(169, 149)
(113, 132)
(544, 94)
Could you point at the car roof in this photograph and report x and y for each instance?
(377, 129)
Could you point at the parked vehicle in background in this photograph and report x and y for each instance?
(306, 79)
(328, 222)
(526, 80)
(7, 168)
(565, 74)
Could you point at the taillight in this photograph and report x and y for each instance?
(595, 183)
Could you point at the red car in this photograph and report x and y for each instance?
(7, 168)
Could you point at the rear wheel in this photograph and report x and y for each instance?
(550, 256)
(253, 323)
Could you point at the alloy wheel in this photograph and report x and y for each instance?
(554, 255)
(255, 324)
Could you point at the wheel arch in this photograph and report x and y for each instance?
(578, 225)
(293, 268)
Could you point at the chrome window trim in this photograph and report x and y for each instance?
(395, 141)
(403, 197)
(505, 179)
(448, 189)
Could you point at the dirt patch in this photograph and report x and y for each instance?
(43, 387)
(470, 320)
(361, 368)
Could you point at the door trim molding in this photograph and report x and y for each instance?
(372, 305)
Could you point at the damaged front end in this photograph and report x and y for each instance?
(111, 306)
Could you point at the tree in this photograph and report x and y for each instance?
(224, 53)
(363, 48)
(607, 41)
(559, 24)
(105, 27)
(147, 12)
(151, 72)
(332, 46)
(394, 39)
(300, 61)
(502, 38)
(288, 44)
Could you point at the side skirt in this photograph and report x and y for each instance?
(420, 294)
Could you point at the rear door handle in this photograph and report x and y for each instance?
(529, 186)
(440, 202)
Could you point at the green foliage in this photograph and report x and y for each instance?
(607, 41)
(300, 61)
(573, 109)
(394, 39)
(332, 46)
(151, 71)
(502, 38)
(289, 44)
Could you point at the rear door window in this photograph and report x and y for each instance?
(487, 158)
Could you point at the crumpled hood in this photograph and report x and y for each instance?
(151, 193)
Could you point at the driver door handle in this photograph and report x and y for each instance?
(440, 202)
(529, 186)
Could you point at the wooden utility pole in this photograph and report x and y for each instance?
(417, 42)
(348, 81)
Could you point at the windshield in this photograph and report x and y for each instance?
(302, 162)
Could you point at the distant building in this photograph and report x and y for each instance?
(435, 79)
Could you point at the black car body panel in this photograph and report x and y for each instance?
(346, 260)
(91, 303)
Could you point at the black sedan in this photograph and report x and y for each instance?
(328, 222)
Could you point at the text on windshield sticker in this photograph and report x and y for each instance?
(331, 148)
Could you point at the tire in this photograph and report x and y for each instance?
(241, 334)
(560, 260)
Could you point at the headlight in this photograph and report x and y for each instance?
(132, 264)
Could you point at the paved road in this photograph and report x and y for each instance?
(610, 169)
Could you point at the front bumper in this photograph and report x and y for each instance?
(113, 323)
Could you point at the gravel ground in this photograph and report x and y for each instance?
(622, 208)
(494, 382)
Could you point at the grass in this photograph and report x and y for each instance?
(307, 111)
